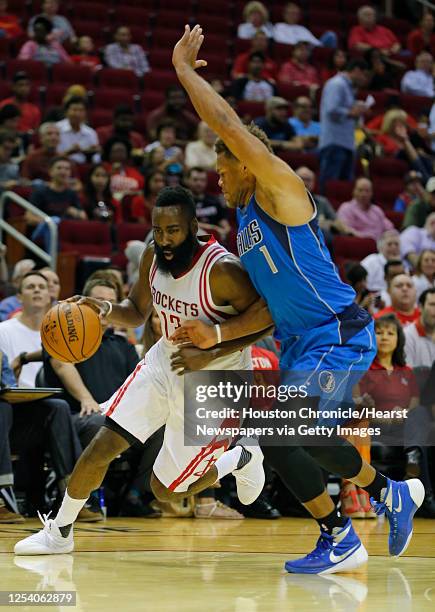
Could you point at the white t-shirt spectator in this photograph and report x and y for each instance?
(86, 138)
(199, 154)
(16, 338)
(292, 34)
(419, 349)
(248, 31)
(418, 83)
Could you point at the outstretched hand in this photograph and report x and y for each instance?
(187, 48)
(198, 333)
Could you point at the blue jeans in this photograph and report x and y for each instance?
(336, 163)
(329, 39)
(42, 232)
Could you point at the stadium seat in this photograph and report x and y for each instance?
(130, 231)
(159, 80)
(129, 15)
(90, 11)
(118, 79)
(350, 248)
(212, 183)
(110, 98)
(396, 218)
(172, 19)
(87, 238)
(387, 166)
(37, 71)
(338, 192)
(415, 105)
(291, 92)
(99, 117)
(71, 74)
(250, 110)
(386, 191)
(295, 159)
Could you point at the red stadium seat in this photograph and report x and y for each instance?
(350, 248)
(100, 117)
(171, 19)
(152, 99)
(90, 11)
(415, 105)
(387, 166)
(85, 237)
(37, 71)
(212, 183)
(396, 218)
(100, 33)
(54, 94)
(71, 74)
(131, 231)
(338, 192)
(110, 98)
(5, 48)
(295, 159)
(128, 15)
(291, 92)
(160, 59)
(118, 79)
(328, 20)
(164, 38)
(250, 110)
(386, 191)
(159, 80)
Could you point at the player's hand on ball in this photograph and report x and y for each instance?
(198, 333)
(189, 358)
(101, 307)
(89, 406)
(187, 48)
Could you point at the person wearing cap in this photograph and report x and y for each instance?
(253, 87)
(417, 213)
(30, 117)
(413, 190)
(276, 126)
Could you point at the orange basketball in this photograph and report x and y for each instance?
(71, 332)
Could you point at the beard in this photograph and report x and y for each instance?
(181, 256)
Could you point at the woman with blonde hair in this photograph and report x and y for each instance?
(256, 18)
(424, 277)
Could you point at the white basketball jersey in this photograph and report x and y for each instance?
(189, 297)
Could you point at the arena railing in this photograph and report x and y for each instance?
(50, 258)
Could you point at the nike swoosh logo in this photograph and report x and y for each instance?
(399, 507)
(336, 559)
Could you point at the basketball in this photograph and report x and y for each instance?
(71, 332)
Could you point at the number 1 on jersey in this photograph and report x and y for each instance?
(269, 259)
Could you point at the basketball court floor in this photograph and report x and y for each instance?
(187, 565)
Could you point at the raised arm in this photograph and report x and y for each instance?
(276, 182)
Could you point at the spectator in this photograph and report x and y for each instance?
(424, 277)
(419, 210)
(86, 55)
(256, 18)
(212, 216)
(37, 164)
(56, 199)
(121, 127)
(21, 335)
(253, 87)
(422, 38)
(53, 281)
(133, 252)
(369, 34)
(290, 32)
(403, 300)
(419, 82)
(339, 112)
(9, 171)
(277, 127)
(392, 268)
(336, 63)
(122, 54)
(360, 214)
(77, 140)
(388, 250)
(12, 303)
(174, 109)
(389, 385)
(396, 142)
(125, 180)
(154, 183)
(298, 70)
(97, 199)
(413, 190)
(9, 24)
(382, 75)
(414, 240)
(356, 276)
(43, 48)
(327, 217)
(166, 138)
(259, 43)
(303, 124)
(420, 335)
(30, 115)
(62, 30)
(201, 152)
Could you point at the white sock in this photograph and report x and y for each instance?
(227, 462)
(69, 510)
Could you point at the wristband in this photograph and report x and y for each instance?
(218, 333)
(110, 308)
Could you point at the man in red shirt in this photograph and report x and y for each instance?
(298, 71)
(122, 127)
(368, 34)
(403, 300)
(30, 113)
(422, 38)
(260, 42)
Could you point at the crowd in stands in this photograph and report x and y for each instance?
(93, 125)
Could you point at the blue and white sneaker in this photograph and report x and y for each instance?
(399, 503)
(342, 551)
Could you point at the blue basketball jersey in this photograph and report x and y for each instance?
(292, 270)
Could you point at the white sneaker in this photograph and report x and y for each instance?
(250, 478)
(48, 541)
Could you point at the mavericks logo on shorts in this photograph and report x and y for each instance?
(327, 381)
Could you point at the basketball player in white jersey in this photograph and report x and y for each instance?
(183, 278)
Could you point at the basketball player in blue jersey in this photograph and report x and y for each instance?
(321, 329)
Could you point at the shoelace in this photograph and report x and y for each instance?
(325, 542)
(44, 518)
